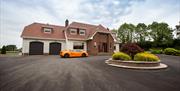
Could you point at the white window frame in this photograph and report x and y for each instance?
(82, 32)
(47, 30)
(73, 30)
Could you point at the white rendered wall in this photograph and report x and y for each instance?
(117, 48)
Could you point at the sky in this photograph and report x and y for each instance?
(16, 14)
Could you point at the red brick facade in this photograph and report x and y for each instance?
(101, 42)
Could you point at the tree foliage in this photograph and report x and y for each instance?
(125, 32)
(161, 34)
(141, 32)
(155, 34)
(11, 47)
(3, 50)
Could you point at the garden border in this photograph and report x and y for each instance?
(136, 64)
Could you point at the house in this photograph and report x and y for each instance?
(39, 39)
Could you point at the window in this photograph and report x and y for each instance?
(114, 47)
(73, 31)
(78, 45)
(110, 45)
(47, 30)
(81, 32)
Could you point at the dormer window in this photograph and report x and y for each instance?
(81, 32)
(47, 30)
(73, 31)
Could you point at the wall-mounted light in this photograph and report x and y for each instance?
(95, 44)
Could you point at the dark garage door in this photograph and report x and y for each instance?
(54, 48)
(36, 48)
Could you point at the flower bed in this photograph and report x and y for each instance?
(142, 60)
(135, 63)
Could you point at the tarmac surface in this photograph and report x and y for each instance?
(52, 73)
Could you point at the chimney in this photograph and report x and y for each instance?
(66, 22)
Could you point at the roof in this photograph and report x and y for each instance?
(90, 30)
(35, 31)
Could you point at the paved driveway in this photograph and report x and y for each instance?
(51, 73)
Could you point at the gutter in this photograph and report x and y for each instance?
(66, 39)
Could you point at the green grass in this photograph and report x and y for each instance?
(11, 53)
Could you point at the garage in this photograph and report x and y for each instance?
(55, 48)
(36, 48)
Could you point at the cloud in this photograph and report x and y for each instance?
(15, 14)
(148, 11)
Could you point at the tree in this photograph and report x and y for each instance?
(161, 34)
(114, 31)
(125, 32)
(11, 47)
(141, 32)
(3, 50)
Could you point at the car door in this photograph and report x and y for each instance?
(76, 53)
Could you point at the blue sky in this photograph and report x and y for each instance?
(15, 14)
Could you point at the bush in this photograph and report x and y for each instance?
(145, 57)
(131, 49)
(171, 51)
(121, 56)
(156, 51)
(3, 50)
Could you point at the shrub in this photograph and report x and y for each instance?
(131, 49)
(121, 56)
(171, 51)
(145, 57)
(3, 50)
(156, 51)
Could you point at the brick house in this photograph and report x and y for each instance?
(39, 39)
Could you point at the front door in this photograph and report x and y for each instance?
(102, 47)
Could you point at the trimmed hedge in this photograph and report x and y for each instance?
(121, 56)
(145, 57)
(171, 51)
(156, 51)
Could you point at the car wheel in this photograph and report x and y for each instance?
(83, 55)
(66, 55)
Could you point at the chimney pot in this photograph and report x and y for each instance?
(66, 22)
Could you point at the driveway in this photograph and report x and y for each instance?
(52, 73)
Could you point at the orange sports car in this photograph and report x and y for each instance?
(73, 53)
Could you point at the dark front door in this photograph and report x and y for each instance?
(55, 48)
(102, 47)
(36, 48)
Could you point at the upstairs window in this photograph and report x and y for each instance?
(73, 31)
(81, 32)
(47, 30)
